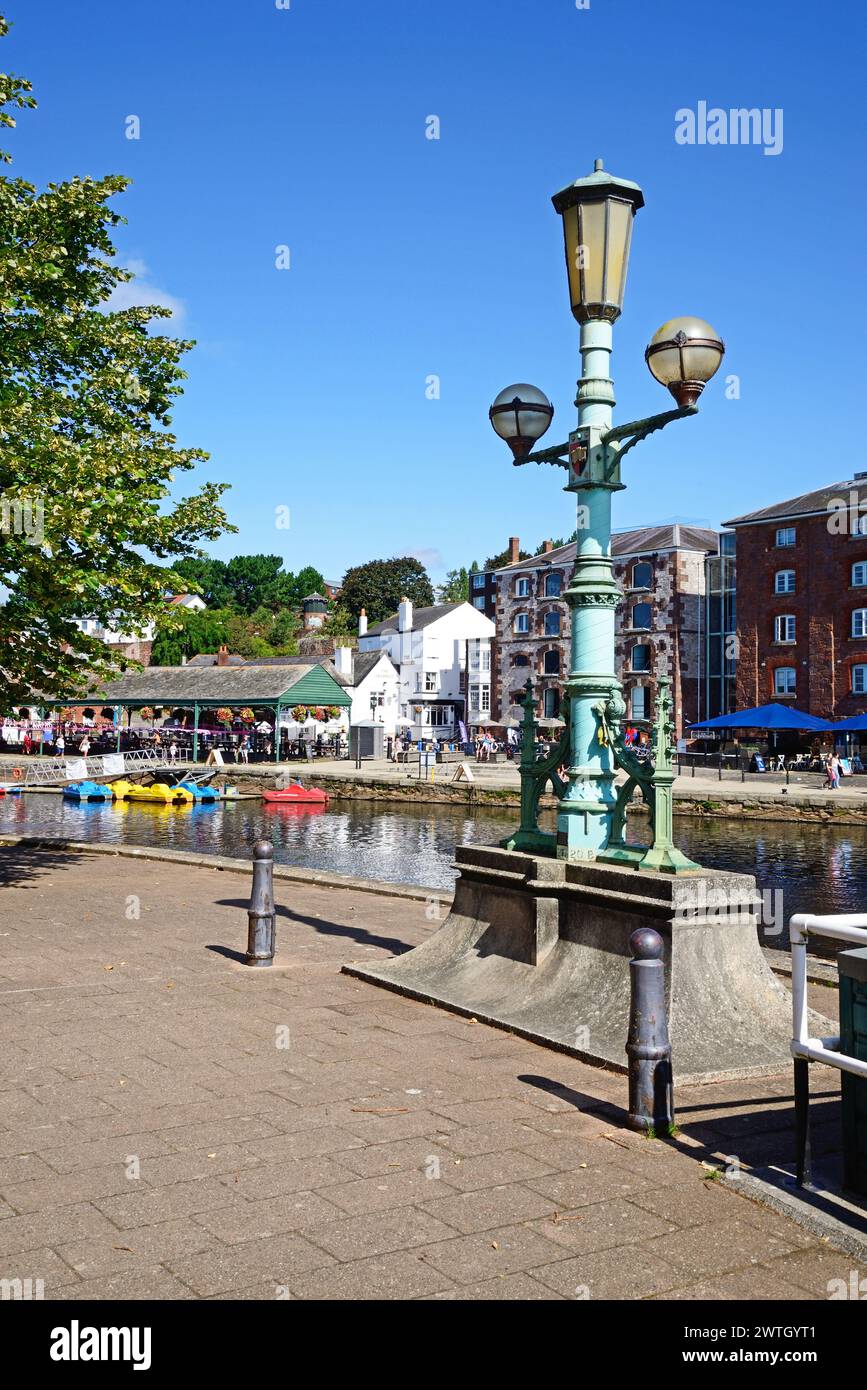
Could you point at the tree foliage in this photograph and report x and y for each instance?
(86, 450)
(248, 582)
(378, 587)
(456, 587)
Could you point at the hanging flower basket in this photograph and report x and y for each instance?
(247, 716)
(225, 716)
(333, 711)
(146, 712)
(299, 713)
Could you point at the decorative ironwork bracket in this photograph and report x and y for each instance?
(636, 430)
(535, 774)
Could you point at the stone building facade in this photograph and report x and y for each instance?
(661, 573)
(802, 602)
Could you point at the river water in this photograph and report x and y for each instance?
(798, 867)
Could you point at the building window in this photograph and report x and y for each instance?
(522, 587)
(480, 698)
(437, 715)
(642, 575)
(552, 624)
(859, 622)
(640, 657)
(639, 702)
(860, 527)
(551, 663)
(642, 615)
(478, 603)
(859, 680)
(522, 622)
(551, 703)
(553, 585)
(431, 682)
(785, 535)
(478, 581)
(859, 574)
(520, 660)
(784, 582)
(784, 628)
(784, 680)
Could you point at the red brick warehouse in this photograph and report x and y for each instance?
(802, 601)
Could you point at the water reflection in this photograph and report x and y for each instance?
(813, 867)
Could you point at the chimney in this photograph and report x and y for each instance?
(343, 661)
(223, 655)
(514, 547)
(547, 547)
(362, 623)
(404, 615)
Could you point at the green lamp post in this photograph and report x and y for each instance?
(597, 214)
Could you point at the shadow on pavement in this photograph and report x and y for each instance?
(392, 944)
(20, 864)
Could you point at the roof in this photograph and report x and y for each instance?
(363, 663)
(809, 503)
(421, 617)
(641, 540)
(210, 659)
(230, 685)
(318, 598)
(179, 598)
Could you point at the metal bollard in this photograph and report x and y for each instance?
(651, 1090)
(261, 932)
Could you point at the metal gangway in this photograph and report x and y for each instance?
(46, 772)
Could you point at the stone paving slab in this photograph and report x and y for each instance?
(175, 1127)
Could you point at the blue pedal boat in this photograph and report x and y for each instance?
(87, 791)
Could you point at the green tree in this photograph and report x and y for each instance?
(456, 587)
(339, 622)
(308, 581)
(206, 577)
(86, 450)
(199, 631)
(258, 581)
(378, 587)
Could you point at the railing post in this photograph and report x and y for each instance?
(803, 1165)
(651, 1091)
(260, 914)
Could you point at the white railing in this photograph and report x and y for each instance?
(43, 771)
(838, 927)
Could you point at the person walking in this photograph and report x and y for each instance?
(834, 772)
(173, 752)
(84, 746)
(60, 745)
(245, 749)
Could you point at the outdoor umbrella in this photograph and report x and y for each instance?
(852, 725)
(551, 723)
(772, 717)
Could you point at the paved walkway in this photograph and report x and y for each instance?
(175, 1126)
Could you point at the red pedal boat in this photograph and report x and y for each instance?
(296, 795)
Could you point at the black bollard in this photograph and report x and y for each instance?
(651, 1091)
(260, 938)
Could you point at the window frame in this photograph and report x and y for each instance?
(785, 531)
(779, 671)
(781, 574)
(786, 618)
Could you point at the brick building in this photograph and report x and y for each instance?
(802, 601)
(661, 572)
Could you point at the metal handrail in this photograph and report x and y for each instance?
(851, 927)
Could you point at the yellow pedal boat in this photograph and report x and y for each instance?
(161, 793)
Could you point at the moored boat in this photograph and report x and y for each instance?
(296, 795)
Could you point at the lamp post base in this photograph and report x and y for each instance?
(541, 947)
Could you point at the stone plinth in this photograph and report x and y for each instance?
(540, 947)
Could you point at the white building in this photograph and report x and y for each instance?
(443, 656)
(373, 683)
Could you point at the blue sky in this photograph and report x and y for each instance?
(305, 127)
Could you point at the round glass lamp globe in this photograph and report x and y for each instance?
(521, 414)
(683, 355)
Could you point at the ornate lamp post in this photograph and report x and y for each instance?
(597, 214)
